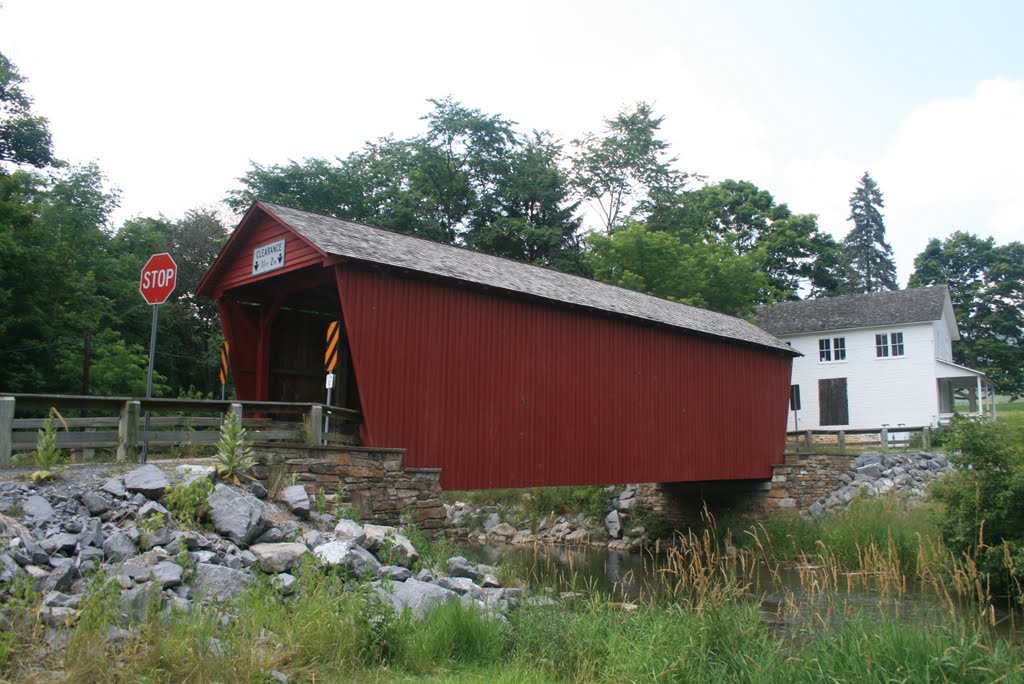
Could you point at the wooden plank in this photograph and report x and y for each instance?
(180, 437)
(87, 423)
(128, 432)
(316, 424)
(65, 401)
(37, 423)
(6, 424)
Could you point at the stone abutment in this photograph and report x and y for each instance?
(372, 481)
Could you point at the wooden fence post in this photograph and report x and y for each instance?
(237, 410)
(316, 424)
(842, 442)
(128, 431)
(6, 430)
(926, 437)
(808, 439)
(884, 439)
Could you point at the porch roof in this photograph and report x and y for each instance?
(948, 369)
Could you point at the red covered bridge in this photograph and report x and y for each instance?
(500, 373)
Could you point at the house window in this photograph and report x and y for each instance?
(881, 345)
(839, 348)
(896, 344)
(889, 345)
(832, 349)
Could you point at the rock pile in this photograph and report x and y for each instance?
(876, 473)
(54, 535)
(485, 525)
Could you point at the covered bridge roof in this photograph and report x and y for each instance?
(361, 242)
(873, 309)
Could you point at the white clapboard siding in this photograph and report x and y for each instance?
(880, 391)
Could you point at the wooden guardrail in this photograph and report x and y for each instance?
(177, 422)
(888, 437)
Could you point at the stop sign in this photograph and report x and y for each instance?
(159, 276)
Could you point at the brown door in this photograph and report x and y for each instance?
(832, 405)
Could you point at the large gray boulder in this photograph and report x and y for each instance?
(219, 582)
(189, 473)
(95, 503)
(62, 542)
(148, 480)
(351, 531)
(296, 499)
(458, 566)
(277, 558)
(390, 545)
(118, 545)
(355, 559)
(613, 524)
(38, 508)
(137, 602)
(167, 574)
(237, 515)
(415, 596)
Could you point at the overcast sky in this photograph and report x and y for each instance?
(174, 99)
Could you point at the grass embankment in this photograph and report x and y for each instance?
(701, 621)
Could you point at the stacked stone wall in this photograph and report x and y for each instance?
(802, 480)
(795, 485)
(804, 483)
(373, 481)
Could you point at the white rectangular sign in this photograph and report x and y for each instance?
(269, 257)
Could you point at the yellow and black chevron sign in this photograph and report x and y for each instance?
(224, 364)
(331, 355)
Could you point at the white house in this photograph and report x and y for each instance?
(882, 359)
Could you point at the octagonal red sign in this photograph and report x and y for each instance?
(159, 276)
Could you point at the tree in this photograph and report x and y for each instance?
(626, 168)
(702, 274)
(24, 137)
(867, 255)
(986, 286)
(52, 260)
(737, 214)
(534, 219)
(468, 179)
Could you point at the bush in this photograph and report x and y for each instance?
(189, 503)
(984, 497)
(48, 458)
(234, 455)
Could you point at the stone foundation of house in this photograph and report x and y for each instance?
(372, 481)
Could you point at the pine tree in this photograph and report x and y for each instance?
(867, 255)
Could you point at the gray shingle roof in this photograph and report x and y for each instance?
(916, 305)
(366, 243)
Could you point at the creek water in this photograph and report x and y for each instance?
(787, 599)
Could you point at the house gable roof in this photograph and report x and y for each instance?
(360, 242)
(873, 309)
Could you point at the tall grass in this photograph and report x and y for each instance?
(701, 620)
(892, 524)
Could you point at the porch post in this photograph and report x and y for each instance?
(978, 405)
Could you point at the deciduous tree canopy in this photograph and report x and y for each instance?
(986, 284)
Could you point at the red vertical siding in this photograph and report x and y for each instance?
(507, 393)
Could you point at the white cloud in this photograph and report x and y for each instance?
(951, 164)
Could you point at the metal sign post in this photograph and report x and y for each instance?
(158, 279)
